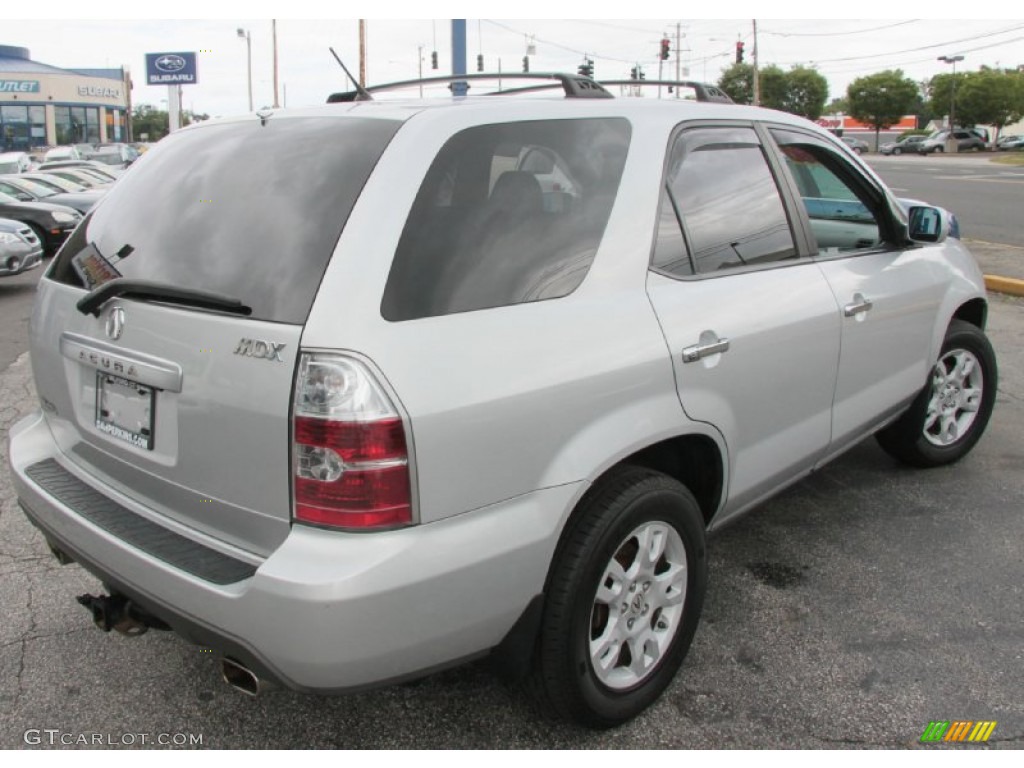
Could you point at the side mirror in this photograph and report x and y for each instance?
(928, 225)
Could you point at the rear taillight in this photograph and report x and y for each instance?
(350, 453)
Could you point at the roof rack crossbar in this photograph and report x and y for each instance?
(574, 86)
(703, 91)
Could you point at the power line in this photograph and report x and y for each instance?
(927, 47)
(930, 58)
(834, 34)
(618, 26)
(589, 54)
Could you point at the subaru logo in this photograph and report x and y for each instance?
(170, 63)
(115, 323)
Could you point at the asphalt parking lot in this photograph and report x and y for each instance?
(850, 611)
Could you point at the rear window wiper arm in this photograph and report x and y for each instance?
(145, 289)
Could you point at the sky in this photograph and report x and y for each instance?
(841, 49)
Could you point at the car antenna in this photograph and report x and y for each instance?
(364, 95)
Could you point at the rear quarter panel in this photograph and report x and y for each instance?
(508, 400)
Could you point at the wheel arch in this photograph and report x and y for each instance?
(974, 311)
(695, 459)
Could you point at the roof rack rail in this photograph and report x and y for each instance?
(574, 86)
(703, 91)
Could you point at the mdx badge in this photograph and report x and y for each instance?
(267, 350)
(115, 322)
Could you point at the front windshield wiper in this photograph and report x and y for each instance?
(145, 289)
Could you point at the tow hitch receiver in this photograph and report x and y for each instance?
(118, 612)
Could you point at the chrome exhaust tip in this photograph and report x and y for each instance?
(239, 676)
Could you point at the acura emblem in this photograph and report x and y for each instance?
(115, 323)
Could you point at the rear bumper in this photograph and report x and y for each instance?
(327, 611)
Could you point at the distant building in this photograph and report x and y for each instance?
(841, 123)
(42, 105)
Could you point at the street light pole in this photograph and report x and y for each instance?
(244, 33)
(952, 88)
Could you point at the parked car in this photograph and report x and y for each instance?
(906, 144)
(965, 140)
(82, 176)
(857, 145)
(458, 420)
(63, 153)
(15, 162)
(20, 248)
(1010, 142)
(26, 190)
(114, 155)
(54, 183)
(51, 223)
(108, 172)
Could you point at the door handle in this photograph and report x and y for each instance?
(694, 353)
(860, 304)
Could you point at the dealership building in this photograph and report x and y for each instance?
(41, 105)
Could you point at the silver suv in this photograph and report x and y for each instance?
(476, 377)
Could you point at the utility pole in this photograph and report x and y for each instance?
(459, 87)
(757, 76)
(679, 53)
(362, 52)
(420, 63)
(273, 29)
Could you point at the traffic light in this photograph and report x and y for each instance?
(666, 48)
(433, 60)
(739, 51)
(586, 69)
(640, 72)
(526, 63)
(581, 70)
(632, 74)
(479, 62)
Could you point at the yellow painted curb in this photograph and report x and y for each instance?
(1008, 285)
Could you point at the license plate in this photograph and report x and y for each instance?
(124, 409)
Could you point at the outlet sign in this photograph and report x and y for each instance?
(19, 86)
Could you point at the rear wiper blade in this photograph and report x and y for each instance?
(145, 289)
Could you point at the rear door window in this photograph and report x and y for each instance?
(508, 213)
(245, 209)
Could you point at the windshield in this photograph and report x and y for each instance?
(241, 208)
(57, 184)
(38, 190)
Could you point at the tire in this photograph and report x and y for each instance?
(897, 151)
(604, 600)
(42, 237)
(950, 414)
(939, 149)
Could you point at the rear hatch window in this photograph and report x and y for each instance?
(245, 209)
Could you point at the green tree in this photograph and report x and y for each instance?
(149, 120)
(990, 97)
(837, 106)
(880, 100)
(155, 122)
(774, 87)
(940, 94)
(738, 82)
(806, 91)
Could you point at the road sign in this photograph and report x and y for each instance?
(171, 69)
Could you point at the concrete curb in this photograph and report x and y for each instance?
(1008, 285)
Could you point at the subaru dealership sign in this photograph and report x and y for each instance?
(171, 69)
